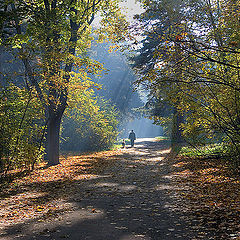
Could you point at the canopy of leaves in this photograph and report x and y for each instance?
(50, 39)
(189, 59)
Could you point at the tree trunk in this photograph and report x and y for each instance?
(53, 140)
(176, 135)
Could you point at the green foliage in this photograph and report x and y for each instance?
(21, 130)
(51, 38)
(208, 151)
(162, 138)
(189, 59)
(89, 124)
(54, 37)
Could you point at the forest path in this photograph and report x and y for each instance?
(131, 199)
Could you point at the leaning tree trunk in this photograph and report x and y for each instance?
(176, 135)
(53, 132)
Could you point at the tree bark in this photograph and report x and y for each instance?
(53, 133)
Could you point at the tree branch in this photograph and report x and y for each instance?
(27, 65)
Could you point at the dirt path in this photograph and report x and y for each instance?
(129, 200)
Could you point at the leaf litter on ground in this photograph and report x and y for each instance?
(44, 192)
(209, 192)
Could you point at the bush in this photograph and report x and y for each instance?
(21, 121)
(90, 125)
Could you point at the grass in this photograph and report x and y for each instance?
(161, 138)
(216, 150)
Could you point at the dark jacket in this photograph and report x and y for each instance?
(132, 136)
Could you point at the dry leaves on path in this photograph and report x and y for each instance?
(43, 193)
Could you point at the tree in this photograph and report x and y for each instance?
(160, 21)
(51, 38)
(194, 65)
(210, 85)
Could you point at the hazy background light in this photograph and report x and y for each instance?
(131, 8)
(143, 127)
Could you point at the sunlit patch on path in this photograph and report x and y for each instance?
(120, 195)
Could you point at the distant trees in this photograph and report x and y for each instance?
(117, 84)
(190, 59)
(95, 125)
(160, 21)
(51, 39)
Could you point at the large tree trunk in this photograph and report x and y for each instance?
(53, 139)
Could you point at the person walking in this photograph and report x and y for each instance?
(123, 143)
(132, 137)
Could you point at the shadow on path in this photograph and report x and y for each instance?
(130, 199)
